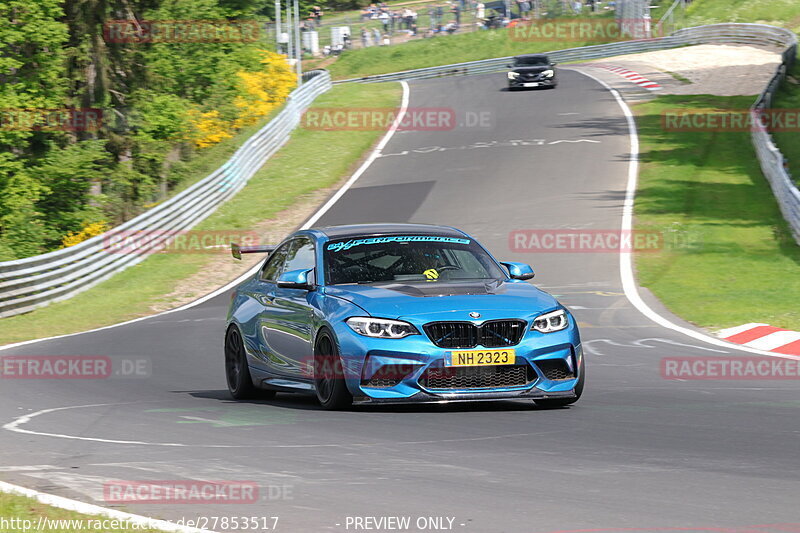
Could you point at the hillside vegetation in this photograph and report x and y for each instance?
(99, 122)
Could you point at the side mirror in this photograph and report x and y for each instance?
(518, 270)
(509, 66)
(553, 64)
(296, 279)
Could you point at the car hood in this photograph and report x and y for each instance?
(531, 70)
(400, 299)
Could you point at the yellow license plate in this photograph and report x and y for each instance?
(480, 357)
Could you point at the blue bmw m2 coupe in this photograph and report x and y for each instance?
(379, 313)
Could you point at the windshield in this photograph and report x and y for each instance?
(408, 258)
(531, 62)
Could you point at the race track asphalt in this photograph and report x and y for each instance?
(637, 451)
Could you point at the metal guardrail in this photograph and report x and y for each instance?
(771, 159)
(26, 284)
(32, 282)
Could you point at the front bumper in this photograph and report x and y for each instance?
(550, 364)
(426, 397)
(536, 82)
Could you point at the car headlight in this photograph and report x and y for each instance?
(550, 322)
(512, 75)
(548, 73)
(381, 327)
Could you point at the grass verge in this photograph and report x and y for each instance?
(443, 50)
(729, 258)
(28, 514)
(311, 160)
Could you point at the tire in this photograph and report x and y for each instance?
(563, 402)
(329, 383)
(237, 372)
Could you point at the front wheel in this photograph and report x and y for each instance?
(329, 381)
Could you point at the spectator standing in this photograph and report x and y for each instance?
(524, 9)
(480, 11)
(384, 18)
(456, 9)
(407, 18)
(364, 38)
(432, 16)
(377, 35)
(316, 15)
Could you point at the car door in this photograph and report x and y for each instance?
(263, 295)
(286, 322)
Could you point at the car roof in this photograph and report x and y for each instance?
(354, 230)
(531, 56)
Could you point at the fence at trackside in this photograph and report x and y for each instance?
(26, 284)
(32, 282)
(771, 159)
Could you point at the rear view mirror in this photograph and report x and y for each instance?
(518, 270)
(295, 279)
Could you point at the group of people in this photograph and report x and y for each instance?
(443, 18)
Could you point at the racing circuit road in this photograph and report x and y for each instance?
(638, 451)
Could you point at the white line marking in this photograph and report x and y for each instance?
(321, 211)
(374, 155)
(89, 509)
(625, 260)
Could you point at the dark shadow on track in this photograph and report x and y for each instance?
(307, 402)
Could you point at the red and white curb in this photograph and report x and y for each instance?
(764, 337)
(633, 77)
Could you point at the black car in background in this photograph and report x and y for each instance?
(532, 70)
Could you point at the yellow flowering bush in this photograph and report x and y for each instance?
(209, 128)
(89, 230)
(258, 93)
(261, 92)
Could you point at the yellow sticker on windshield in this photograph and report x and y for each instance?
(431, 274)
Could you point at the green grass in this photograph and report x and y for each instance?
(440, 50)
(706, 187)
(683, 79)
(22, 508)
(311, 160)
(785, 13)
